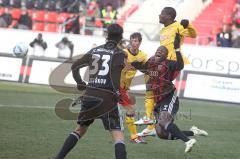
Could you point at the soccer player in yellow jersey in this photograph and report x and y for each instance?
(128, 73)
(167, 36)
(171, 27)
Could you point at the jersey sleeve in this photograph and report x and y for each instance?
(190, 31)
(81, 62)
(119, 59)
(139, 65)
(176, 65)
(117, 66)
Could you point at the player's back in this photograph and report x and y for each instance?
(106, 66)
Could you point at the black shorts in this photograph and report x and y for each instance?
(169, 104)
(111, 120)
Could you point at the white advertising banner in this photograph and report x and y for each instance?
(41, 71)
(211, 87)
(10, 68)
(213, 59)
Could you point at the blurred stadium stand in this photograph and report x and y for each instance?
(136, 15)
(210, 21)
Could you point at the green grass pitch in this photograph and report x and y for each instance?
(29, 128)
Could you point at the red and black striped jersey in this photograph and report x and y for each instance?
(161, 74)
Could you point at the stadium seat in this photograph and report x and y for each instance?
(37, 26)
(16, 13)
(216, 30)
(14, 22)
(30, 11)
(38, 15)
(49, 27)
(1, 11)
(98, 23)
(62, 17)
(227, 19)
(189, 40)
(82, 21)
(50, 17)
(212, 17)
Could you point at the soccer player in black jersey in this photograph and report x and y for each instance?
(101, 93)
(161, 73)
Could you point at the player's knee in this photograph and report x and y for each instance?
(163, 123)
(77, 130)
(164, 119)
(130, 118)
(81, 130)
(119, 141)
(161, 132)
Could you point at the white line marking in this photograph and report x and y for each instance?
(33, 107)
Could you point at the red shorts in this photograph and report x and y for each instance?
(125, 99)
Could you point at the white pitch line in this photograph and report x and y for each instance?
(32, 107)
(26, 106)
(48, 107)
(42, 107)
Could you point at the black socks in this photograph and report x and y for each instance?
(69, 143)
(120, 151)
(174, 130)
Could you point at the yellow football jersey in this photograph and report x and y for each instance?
(167, 36)
(129, 71)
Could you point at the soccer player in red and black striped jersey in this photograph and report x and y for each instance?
(161, 73)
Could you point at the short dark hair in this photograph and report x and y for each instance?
(171, 11)
(114, 32)
(136, 35)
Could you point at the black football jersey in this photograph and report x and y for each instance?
(105, 65)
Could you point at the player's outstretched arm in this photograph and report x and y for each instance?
(190, 31)
(82, 62)
(141, 66)
(180, 62)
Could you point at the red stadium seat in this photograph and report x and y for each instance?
(227, 19)
(16, 13)
(14, 22)
(62, 17)
(51, 27)
(30, 11)
(82, 21)
(1, 11)
(38, 26)
(98, 23)
(212, 17)
(51, 17)
(38, 15)
(216, 30)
